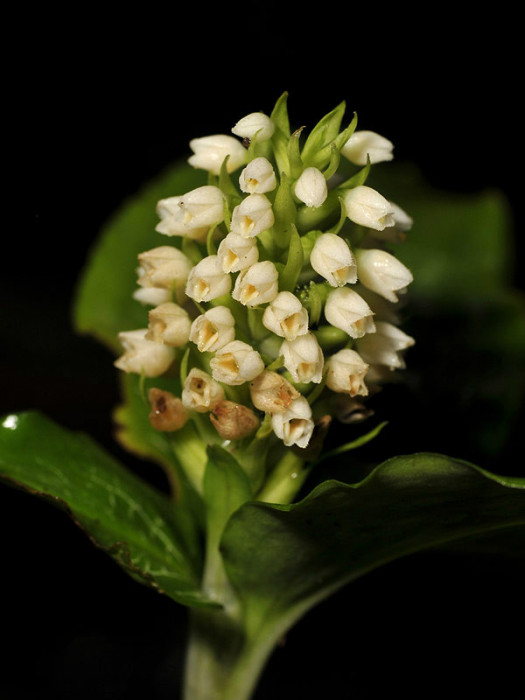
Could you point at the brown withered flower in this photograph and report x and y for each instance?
(233, 421)
(167, 412)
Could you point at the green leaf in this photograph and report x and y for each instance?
(282, 560)
(290, 273)
(279, 115)
(323, 133)
(150, 536)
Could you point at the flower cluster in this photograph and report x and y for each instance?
(278, 290)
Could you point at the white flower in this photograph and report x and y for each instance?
(169, 324)
(311, 187)
(164, 266)
(347, 310)
(252, 216)
(142, 356)
(384, 346)
(213, 330)
(294, 426)
(152, 296)
(271, 392)
(207, 280)
(363, 143)
(252, 124)
(191, 214)
(303, 358)
(286, 316)
(257, 284)
(332, 258)
(201, 393)
(382, 272)
(258, 177)
(236, 363)
(366, 207)
(209, 153)
(237, 252)
(346, 373)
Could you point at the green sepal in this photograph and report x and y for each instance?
(290, 274)
(279, 115)
(323, 133)
(308, 242)
(312, 301)
(333, 164)
(324, 156)
(359, 178)
(294, 154)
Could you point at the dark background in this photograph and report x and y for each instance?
(98, 106)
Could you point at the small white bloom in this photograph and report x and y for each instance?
(303, 358)
(258, 177)
(191, 214)
(252, 124)
(201, 393)
(164, 266)
(286, 316)
(252, 216)
(257, 284)
(363, 143)
(346, 373)
(396, 233)
(384, 346)
(209, 153)
(213, 330)
(237, 252)
(347, 310)
(332, 258)
(236, 363)
(382, 272)
(169, 324)
(152, 296)
(366, 207)
(294, 426)
(207, 280)
(311, 187)
(142, 355)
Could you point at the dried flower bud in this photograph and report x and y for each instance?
(286, 316)
(257, 284)
(294, 426)
(384, 346)
(272, 393)
(346, 373)
(167, 411)
(382, 272)
(233, 421)
(143, 356)
(366, 207)
(213, 330)
(236, 363)
(236, 252)
(169, 324)
(164, 266)
(207, 280)
(254, 124)
(258, 177)
(303, 358)
(252, 216)
(201, 392)
(209, 153)
(311, 187)
(332, 258)
(347, 310)
(367, 143)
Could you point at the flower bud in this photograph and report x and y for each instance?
(252, 216)
(167, 411)
(256, 123)
(191, 214)
(237, 253)
(382, 272)
(346, 310)
(213, 330)
(142, 355)
(257, 284)
(384, 346)
(366, 207)
(169, 324)
(236, 363)
(258, 177)
(311, 187)
(286, 316)
(332, 258)
(367, 143)
(303, 358)
(294, 426)
(346, 373)
(152, 296)
(272, 393)
(207, 280)
(209, 153)
(164, 266)
(233, 421)
(201, 392)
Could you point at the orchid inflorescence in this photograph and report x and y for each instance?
(276, 302)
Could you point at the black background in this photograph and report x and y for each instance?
(97, 106)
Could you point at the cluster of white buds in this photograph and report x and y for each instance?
(280, 288)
